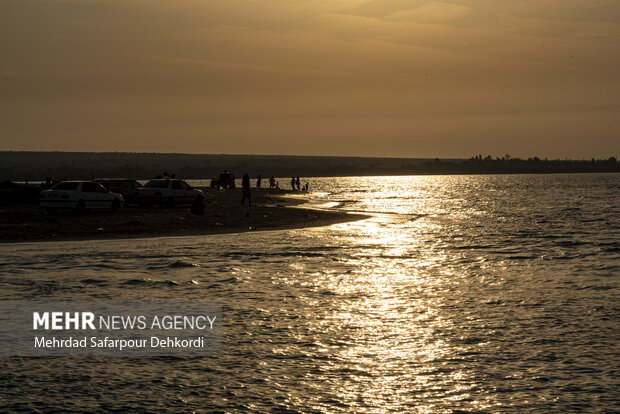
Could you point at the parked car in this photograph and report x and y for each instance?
(168, 192)
(80, 196)
(126, 187)
(225, 180)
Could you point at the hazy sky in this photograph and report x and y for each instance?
(409, 78)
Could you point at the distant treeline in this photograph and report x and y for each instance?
(508, 165)
(36, 166)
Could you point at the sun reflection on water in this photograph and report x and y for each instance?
(458, 294)
(392, 320)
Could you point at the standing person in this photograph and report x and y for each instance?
(245, 194)
(272, 182)
(258, 180)
(293, 183)
(298, 184)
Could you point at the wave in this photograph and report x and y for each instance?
(150, 282)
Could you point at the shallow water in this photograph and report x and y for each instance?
(473, 293)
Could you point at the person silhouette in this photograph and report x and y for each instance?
(245, 194)
(198, 207)
(293, 183)
(258, 180)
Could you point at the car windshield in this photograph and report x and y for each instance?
(65, 186)
(157, 184)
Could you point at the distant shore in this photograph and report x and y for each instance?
(223, 214)
(23, 166)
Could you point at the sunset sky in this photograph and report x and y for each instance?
(316, 77)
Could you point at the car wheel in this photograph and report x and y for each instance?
(170, 202)
(80, 207)
(115, 206)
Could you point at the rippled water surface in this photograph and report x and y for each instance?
(461, 293)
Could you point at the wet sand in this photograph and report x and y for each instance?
(223, 214)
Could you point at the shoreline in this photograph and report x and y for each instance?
(223, 215)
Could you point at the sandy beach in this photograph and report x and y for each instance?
(271, 210)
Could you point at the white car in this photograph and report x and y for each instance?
(168, 192)
(80, 196)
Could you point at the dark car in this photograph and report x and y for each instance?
(225, 180)
(126, 187)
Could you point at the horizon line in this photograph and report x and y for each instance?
(300, 156)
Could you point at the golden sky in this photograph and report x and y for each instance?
(340, 77)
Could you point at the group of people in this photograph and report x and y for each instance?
(296, 183)
(245, 189)
(272, 182)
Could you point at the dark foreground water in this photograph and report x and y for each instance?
(462, 293)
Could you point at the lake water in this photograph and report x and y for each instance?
(461, 293)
